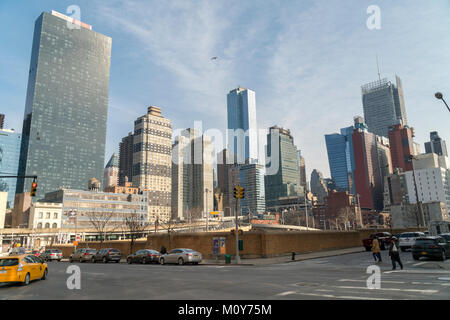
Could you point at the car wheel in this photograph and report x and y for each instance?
(26, 281)
(416, 257)
(117, 261)
(129, 261)
(70, 260)
(59, 260)
(44, 276)
(143, 261)
(444, 256)
(104, 260)
(81, 260)
(93, 260)
(195, 263)
(180, 261)
(403, 249)
(161, 261)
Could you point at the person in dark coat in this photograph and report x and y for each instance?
(394, 254)
(163, 250)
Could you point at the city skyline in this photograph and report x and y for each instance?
(313, 74)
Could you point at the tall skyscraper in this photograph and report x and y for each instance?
(242, 126)
(9, 162)
(152, 161)
(341, 158)
(126, 159)
(285, 182)
(251, 177)
(367, 174)
(192, 175)
(402, 146)
(64, 129)
(111, 174)
(383, 105)
(224, 163)
(318, 186)
(302, 172)
(436, 145)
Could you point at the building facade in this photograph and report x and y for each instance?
(111, 174)
(251, 178)
(152, 161)
(126, 159)
(436, 145)
(64, 129)
(384, 105)
(402, 146)
(10, 142)
(285, 183)
(318, 186)
(45, 215)
(242, 125)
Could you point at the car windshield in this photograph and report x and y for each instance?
(91, 251)
(114, 250)
(446, 236)
(9, 262)
(405, 235)
(189, 250)
(55, 251)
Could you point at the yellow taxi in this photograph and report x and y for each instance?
(22, 268)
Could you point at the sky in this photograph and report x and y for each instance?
(306, 60)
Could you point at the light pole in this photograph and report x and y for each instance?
(207, 213)
(440, 96)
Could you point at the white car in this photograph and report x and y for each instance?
(407, 239)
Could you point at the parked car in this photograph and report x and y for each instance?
(106, 255)
(446, 236)
(433, 247)
(144, 256)
(52, 254)
(383, 238)
(22, 268)
(407, 239)
(82, 255)
(181, 256)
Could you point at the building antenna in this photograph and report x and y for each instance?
(378, 67)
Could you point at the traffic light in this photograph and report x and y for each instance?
(236, 193)
(239, 192)
(240, 232)
(33, 188)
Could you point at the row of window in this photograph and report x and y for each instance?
(48, 215)
(47, 225)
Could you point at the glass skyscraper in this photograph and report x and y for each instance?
(286, 182)
(64, 128)
(436, 145)
(383, 105)
(241, 108)
(341, 158)
(9, 162)
(251, 178)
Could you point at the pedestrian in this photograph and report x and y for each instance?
(394, 254)
(376, 251)
(163, 250)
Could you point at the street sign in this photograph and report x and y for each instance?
(222, 245)
(75, 243)
(214, 213)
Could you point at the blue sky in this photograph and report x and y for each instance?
(306, 61)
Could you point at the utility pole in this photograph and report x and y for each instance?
(306, 211)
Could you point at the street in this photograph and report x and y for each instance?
(338, 277)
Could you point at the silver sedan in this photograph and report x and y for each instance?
(181, 256)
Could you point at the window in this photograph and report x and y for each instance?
(39, 226)
(55, 215)
(47, 225)
(55, 226)
(47, 216)
(41, 215)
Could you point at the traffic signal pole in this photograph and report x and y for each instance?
(238, 259)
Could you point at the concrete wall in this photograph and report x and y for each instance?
(257, 244)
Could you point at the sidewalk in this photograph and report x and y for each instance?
(287, 258)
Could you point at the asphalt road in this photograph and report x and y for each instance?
(338, 277)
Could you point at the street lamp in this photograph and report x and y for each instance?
(418, 202)
(440, 96)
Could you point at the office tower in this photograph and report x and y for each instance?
(402, 146)
(2, 120)
(9, 162)
(224, 163)
(436, 145)
(318, 186)
(111, 174)
(367, 174)
(242, 127)
(384, 157)
(152, 161)
(285, 183)
(126, 159)
(383, 105)
(64, 129)
(341, 159)
(302, 172)
(192, 175)
(251, 177)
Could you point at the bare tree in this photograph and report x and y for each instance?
(193, 214)
(347, 217)
(102, 223)
(170, 227)
(135, 226)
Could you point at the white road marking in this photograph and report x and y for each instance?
(425, 271)
(389, 289)
(339, 297)
(383, 281)
(444, 279)
(286, 293)
(419, 264)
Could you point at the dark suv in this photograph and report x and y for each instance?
(106, 255)
(433, 247)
